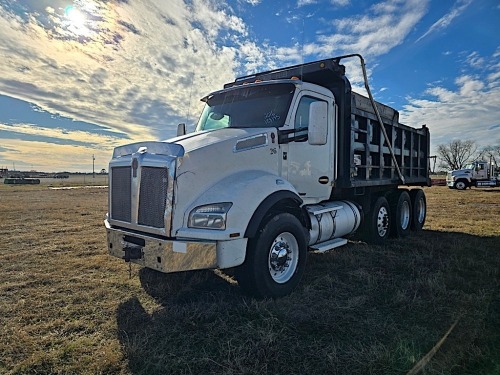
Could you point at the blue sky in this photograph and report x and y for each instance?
(80, 77)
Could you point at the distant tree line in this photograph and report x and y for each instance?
(457, 153)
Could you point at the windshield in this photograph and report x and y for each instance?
(260, 106)
(469, 166)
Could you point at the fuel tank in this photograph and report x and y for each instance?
(331, 220)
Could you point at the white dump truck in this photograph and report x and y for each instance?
(281, 163)
(479, 173)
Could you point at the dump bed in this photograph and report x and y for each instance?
(369, 151)
(363, 156)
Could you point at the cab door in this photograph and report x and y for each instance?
(481, 171)
(309, 168)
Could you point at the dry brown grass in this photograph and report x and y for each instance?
(66, 307)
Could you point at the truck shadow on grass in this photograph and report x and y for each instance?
(359, 309)
(186, 287)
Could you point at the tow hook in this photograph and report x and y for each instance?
(132, 252)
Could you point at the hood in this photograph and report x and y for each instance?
(461, 172)
(216, 157)
(197, 140)
(179, 146)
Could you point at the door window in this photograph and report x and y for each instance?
(302, 114)
(302, 118)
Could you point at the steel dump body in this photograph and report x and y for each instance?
(367, 143)
(363, 154)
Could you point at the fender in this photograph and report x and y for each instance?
(252, 193)
(463, 176)
(265, 206)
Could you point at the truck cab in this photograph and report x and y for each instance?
(197, 199)
(294, 124)
(479, 173)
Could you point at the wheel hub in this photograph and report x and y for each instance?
(279, 255)
(421, 210)
(382, 221)
(283, 257)
(405, 215)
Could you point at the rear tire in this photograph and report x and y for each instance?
(419, 209)
(275, 259)
(401, 214)
(377, 225)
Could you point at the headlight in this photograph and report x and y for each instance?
(210, 216)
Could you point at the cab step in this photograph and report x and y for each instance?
(328, 245)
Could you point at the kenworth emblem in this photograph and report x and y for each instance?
(135, 164)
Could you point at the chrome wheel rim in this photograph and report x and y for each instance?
(420, 210)
(382, 221)
(405, 215)
(283, 257)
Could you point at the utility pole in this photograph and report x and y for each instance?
(93, 163)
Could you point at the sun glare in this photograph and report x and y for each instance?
(75, 20)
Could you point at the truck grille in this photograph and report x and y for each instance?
(121, 194)
(152, 196)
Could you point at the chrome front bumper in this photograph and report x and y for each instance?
(161, 255)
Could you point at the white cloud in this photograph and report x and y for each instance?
(475, 60)
(54, 149)
(140, 66)
(382, 27)
(138, 62)
(253, 2)
(341, 3)
(469, 85)
(252, 57)
(385, 26)
(135, 68)
(53, 157)
(494, 78)
(62, 135)
(301, 3)
(458, 8)
(470, 111)
(132, 72)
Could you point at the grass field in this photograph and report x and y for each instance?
(66, 307)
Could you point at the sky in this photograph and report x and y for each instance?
(79, 78)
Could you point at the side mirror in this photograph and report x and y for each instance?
(181, 129)
(318, 123)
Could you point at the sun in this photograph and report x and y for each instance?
(74, 16)
(75, 20)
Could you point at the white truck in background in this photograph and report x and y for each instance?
(281, 162)
(479, 173)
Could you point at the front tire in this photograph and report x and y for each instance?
(276, 258)
(461, 185)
